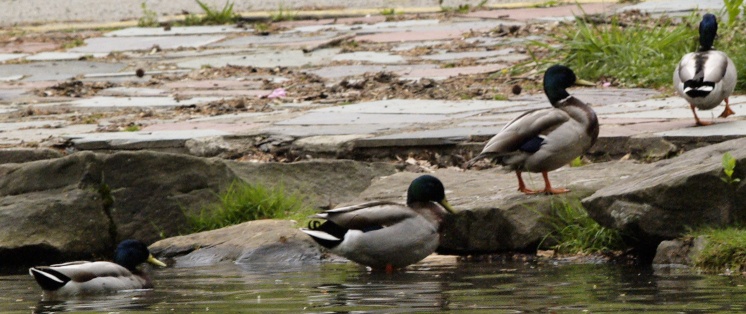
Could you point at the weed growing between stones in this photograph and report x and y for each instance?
(724, 251)
(243, 202)
(574, 232)
(212, 16)
(729, 166)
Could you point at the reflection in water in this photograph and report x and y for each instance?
(460, 287)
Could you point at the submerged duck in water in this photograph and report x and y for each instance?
(386, 235)
(82, 277)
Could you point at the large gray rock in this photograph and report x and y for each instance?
(21, 155)
(673, 196)
(51, 210)
(493, 215)
(81, 205)
(251, 243)
(150, 192)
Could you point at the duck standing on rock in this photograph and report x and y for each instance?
(706, 77)
(76, 278)
(386, 235)
(543, 140)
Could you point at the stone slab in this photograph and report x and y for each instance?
(138, 140)
(264, 59)
(668, 6)
(132, 91)
(340, 71)
(525, 14)
(729, 128)
(228, 128)
(316, 130)
(57, 71)
(451, 56)
(27, 47)
(370, 57)
(447, 136)
(511, 58)
(357, 20)
(10, 94)
(377, 27)
(444, 73)
(176, 31)
(418, 107)
(14, 134)
(111, 44)
(424, 35)
(63, 56)
(215, 84)
(11, 56)
(282, 39)
(354, 118)
(125, 102)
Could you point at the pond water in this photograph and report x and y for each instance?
(471, 287)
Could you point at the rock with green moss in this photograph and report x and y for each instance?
(674, 196)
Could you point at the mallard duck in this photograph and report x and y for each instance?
(386, 235)
(706, 77)
(543, 140)
(98, 277)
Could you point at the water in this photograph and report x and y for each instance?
(429, 287)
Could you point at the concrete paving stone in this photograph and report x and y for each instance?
(132, 91)
(264, 59)
(138, 140)
(131, 74)
(315, 130)
(417, 107)
(275, 39)
(57, 71)
(27, 47)
(369, 19)
(511, 58)
(354, 118)
(11, 78)
(726, 128)
(229, 128)
(225, 93)
(450, 56)
(63, 56)
(327, 143)
(20, 134)
(444, 73)
(418, 44)
(11, 56)
(177, 30)
(668, 6)
(672, 107)
(248, 83)
(370, 57)
(10, 126)
(377, 27)
(635, 127)
(525, 14)
(10, 94)
(340, 71)
(446, 136)
(502, 41)
(410, 36)
(111, 44)
(120, 102)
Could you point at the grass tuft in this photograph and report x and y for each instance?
(282, 14)
(149, 17)
(577, 233)
(243, 202)
(725, 250)
(212, 16)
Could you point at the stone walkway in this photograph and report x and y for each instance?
(310, 127)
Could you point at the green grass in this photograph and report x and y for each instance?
(243, 202)
(725, 249)
(640, 54)
(282, 14)
(388, 12)
(577, 233)
(149, 17)
(77, 42)
(212, 16)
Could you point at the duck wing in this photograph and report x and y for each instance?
(524, 133)
(368, 215)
